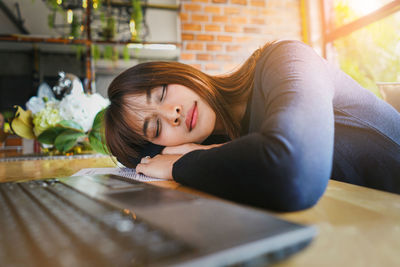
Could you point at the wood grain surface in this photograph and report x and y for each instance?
(357, 226)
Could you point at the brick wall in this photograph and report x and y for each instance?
(218, 35)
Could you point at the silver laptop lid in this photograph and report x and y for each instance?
(218, 232)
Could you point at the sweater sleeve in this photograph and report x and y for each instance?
(284, 162)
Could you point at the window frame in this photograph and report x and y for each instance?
(330, 34)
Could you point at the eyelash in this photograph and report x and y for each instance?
(164, 89)
(158, 128)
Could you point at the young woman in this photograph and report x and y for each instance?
(270, 134)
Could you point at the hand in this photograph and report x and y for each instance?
(186, 148)
(159, 167)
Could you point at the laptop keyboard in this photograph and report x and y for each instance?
(47, 223)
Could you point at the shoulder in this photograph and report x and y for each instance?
(283, 58)
(291, 66)
(285, 45)
(286, 49)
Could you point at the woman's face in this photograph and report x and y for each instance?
(172, 115)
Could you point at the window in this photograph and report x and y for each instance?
(363, 37)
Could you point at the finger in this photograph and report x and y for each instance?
(145, 159)
(140, 168)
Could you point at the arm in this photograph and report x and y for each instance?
(286, 163)
(160, 165)
(186, 148)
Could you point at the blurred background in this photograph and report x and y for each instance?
(97, 39)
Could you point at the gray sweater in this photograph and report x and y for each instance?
(306, 122)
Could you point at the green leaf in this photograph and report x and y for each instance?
(49, 136)
(115, 55)
(70, 125)
(95, 139)
(67, 140)
(75, 28)
(79, 50)
(98, 120)
(96, 135)
(102, 18)
(125, 53)
(95, 52)
(50, 20)
(137, 16)
(108, 52)
(53, 3)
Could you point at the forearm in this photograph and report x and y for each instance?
(186, 148)
(257, 170)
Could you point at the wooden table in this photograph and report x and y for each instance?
(357, 226)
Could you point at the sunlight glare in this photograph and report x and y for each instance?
(364, 7)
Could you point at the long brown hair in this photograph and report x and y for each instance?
(222, 93)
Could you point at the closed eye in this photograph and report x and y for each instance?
(158, 128)
(164, 91)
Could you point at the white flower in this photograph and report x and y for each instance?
(82, 108)
(37, 103)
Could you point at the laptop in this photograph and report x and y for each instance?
(109, 220)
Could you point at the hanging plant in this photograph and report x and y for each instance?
(125, 53)
(106, 18)
(97, 4)
(109, 30)
(79, 50)
(53, 4)
(95, 52)
(75, 28)
(50, 20)
(54, 7)
(108, 52)
(115, 54)
(137, 16)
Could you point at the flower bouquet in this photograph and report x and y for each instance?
(64, 119)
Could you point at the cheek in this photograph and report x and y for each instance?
(209, 120)
(172, 137)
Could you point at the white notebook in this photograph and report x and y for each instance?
(125, 172)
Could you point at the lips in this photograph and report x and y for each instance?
(191, 117)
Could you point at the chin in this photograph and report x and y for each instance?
(201, 140)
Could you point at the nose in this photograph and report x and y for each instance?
(173, 114)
